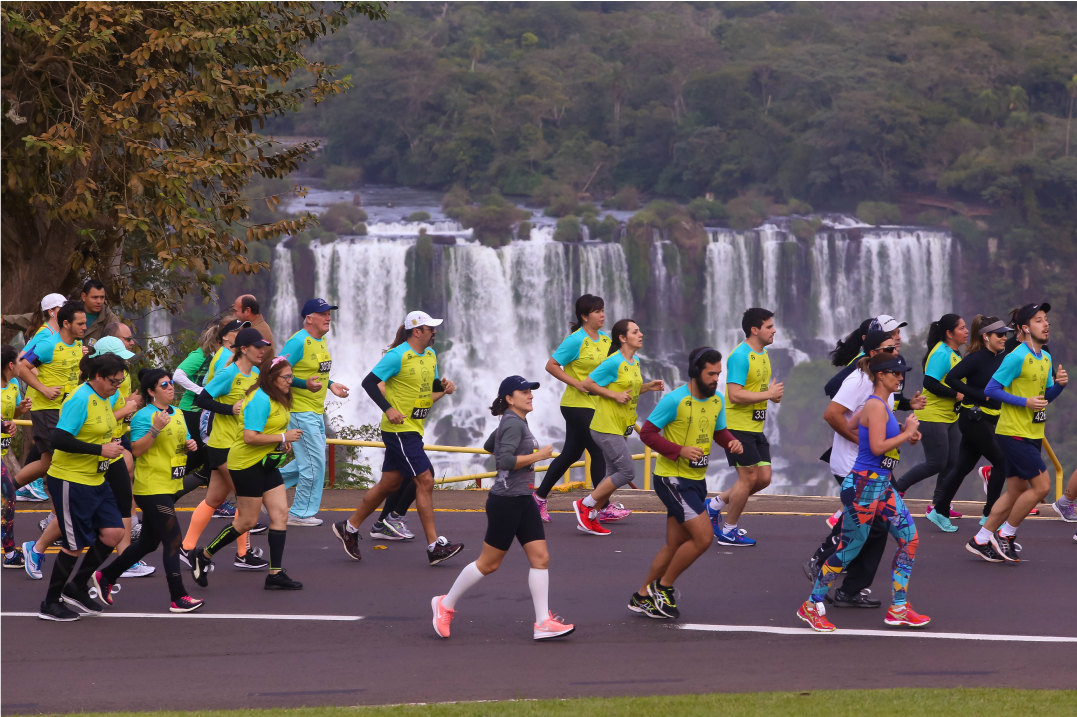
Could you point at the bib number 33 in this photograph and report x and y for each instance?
(759, 414)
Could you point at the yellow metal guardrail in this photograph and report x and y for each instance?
(646, 457)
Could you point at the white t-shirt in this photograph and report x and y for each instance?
(853, 394)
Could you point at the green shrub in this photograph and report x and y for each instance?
(932, 218)
(524, 231)
(359, 229)
(706, 210)
(492, 220)
(456, 198)
(568, 229)
(607, 229)
(748, 211)
(806, 228)
(339, 218)
(343, 177)
(626, 199)
(419, 217)
(878, 213)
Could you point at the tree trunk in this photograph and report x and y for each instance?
(36, 261)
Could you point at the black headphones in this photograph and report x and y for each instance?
(694, 369)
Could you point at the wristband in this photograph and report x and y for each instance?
(154, 432)
(283, 439)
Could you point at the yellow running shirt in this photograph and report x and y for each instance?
(579, 355)
(88, 417)
(409, 386)
(751, 370)
(160, 470)
(616, 374)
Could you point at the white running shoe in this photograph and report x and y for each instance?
(139, 570)
(310, 522)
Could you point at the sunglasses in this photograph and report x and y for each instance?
(887, 349)
(165, 384)
(899, 374)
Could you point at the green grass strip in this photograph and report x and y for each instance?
(959, 702)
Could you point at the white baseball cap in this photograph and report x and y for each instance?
(53, 301)
(887, 323)
(420, 318)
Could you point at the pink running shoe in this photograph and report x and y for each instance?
(985, 474)
(543, 512)
(833, 520)
(954, 513)
(613, 512)
(442, 616)
(552, 627)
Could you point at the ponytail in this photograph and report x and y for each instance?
(402, 335)
(850, 346)
(938, 332)
(586, 304)
(499, 406)
(619, 329)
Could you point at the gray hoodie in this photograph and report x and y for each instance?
(511, 439)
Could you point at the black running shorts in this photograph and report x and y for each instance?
(256, 481)
(756, 450)
(512, 516)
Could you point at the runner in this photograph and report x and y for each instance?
(938, 419)
(121, 483)
(56, 358)
(884, 323)
(1027, 373)
(12, 405)
(749, 385)
(617, 384)
(681, 428)
(850, 398)
(405, 384)
(866, 493)
(86, 509)
(511, 513)
(1064, 506)
(160, 443)
(257, 451)
(977, 419)
(230, 383)
(190, 375)
(573, 361)
(392, 522)
(308, 353)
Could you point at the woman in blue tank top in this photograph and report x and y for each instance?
(866, 493)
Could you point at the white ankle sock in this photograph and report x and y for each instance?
(983, 537)
(590, 502)
(539, 582)
(1007, 530)
(348, 527)
(717, 503)
(467, 579)
(726, 527)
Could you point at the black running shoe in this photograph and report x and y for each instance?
(57, 612)
(443, 550)
(1005, 547)
(201, 566)
(80, 599)
(258, 529)
(350, 540)
(664, 599)
(281, 581)
(811, 569)
(185, 557)
(861, 599)
(644, 605)
(250, 561)
(985, 551)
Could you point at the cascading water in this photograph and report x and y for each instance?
(507, 308)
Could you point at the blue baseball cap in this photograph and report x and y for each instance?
(316, 306)
(515, 383)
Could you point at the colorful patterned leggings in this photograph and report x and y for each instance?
(863, 496)
(7, 526)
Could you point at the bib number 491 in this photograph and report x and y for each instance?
(888, 462)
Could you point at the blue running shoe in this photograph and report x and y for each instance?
(716, 519)
(941, 521)
(227, 510)
(34, 560)
(734, 538)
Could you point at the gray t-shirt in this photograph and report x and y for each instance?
(511, 439)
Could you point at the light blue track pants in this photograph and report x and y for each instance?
(307, 472)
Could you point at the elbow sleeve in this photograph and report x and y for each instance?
(370, 385)
(64, 441)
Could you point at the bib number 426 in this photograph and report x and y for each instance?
(1039, 417)
(701, 462)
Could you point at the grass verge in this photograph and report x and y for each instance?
(959, 702)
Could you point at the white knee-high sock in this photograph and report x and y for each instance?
(539, 582)
(467, 579)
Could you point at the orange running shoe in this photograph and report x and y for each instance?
(552, 627)
(814, 613)
(905, 615)
(442, 616)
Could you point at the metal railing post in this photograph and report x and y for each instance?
(646, 468)
(1059, 478)
(587, 468)
(331, 463)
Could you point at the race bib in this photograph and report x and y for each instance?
(325, 366)
(179, 467)
(759, 414)
(628, 431)
(5, 442)
(422, 408)
(888, 462)
(102, 466)
(1039, 417)
(701, 462)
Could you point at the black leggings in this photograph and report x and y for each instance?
(977, 441)
(159, 527)
(577, 439)
(941, 441)
(119, 480)
(401, 500)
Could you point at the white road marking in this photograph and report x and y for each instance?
(209, 616)
(876, 633)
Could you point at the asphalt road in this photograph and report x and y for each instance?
(393, 656)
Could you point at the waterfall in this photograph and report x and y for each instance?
(604, 272)
(159, 326)
(284, 311)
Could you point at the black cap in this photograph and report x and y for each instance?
(891, 364)
(515, 383)
(874, 340)
(249, 337)
(316, 306)
(1026, 312)
(230, 326)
